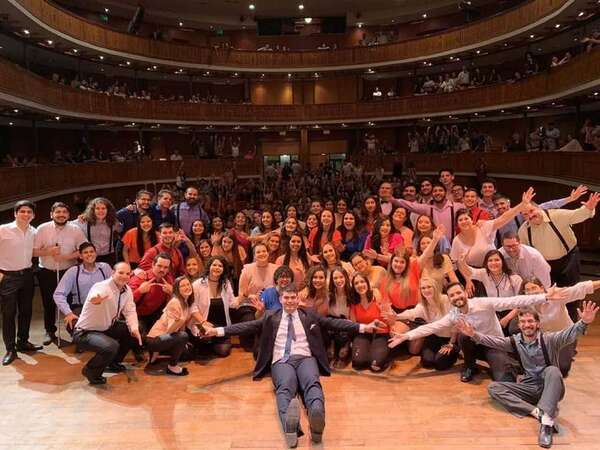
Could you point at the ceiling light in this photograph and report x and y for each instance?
(424, 15)
(359, 24)
(128, 63)
(57, 117)
(557, 26)
(16, 111)
(581, 14)
(10, 124)
(478, 52)
(251, 7)
(308, 19)
(101, 57)
(289, 75)
(75, 50)
(106, 10)
(49, 41)
(26, 32)
(531, 36)
(300, 6)
(180, 23)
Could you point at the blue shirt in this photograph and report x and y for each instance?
(158, 218)
(78, 287)
(270, 298)
(356, 244)
(128, 218)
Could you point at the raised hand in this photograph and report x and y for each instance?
(556, 294)
(396, 340)
(465, 327)
(255, 301)
(439, 232)
(527, 196)
(587, 313)
(592, 202)
(578, 192)
(145, 287)
(167, 288)
(470, 288)
(98, 298)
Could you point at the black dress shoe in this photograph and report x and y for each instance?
(292, 422)
(316, 419)
(28, 347)
(183, 372)
(545, 437)
(94, 381)
(10, 356)
(49, 338)
(468, 374)
(115, 368)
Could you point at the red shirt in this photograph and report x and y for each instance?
(478, 214)
(177, 264)
(154, 299)
(366, 316)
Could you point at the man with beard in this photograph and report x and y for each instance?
(129, 215)
(540, 388)
(57, 245)
(480, 312)
(425, 191)
(189, 210)
(167, 243)
(441, 210)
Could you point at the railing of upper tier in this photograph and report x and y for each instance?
(465, 36)
(20, 85)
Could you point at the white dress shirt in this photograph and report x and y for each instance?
(507, 286)
(481, 315)
(529, 264)
(554, 316)
(16, 247)
(299, 346)
(100, 317)
(68, 237)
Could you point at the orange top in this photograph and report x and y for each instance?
(336, 239)
(130, 243)
(391, 290)
(368, 315)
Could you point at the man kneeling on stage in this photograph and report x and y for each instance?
(291, 347)
(540, 388)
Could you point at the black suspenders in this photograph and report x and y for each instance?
(451, 219)
(513, 343)
(77, 281)
(558, 235)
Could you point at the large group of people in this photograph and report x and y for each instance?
(329, 269)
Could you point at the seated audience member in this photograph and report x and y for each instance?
(325, 232)
(295, 257)
(270, 297)
(555, 316)
(375, 274)
(168, 334)
(75, 284)
(152, 289)
(477, 239)
(314, 296)
(481, 312)
(438, 351)
(213, 301)
(56, 244)
(138, 240)
(381, 243)
(524, 260)
(100, 330)
(352, 234)
(100, 225)
(433, 263)
(541, 385)
(167, 243)
(255, 277)
(338, 350)
(366, 306)
(291, 348)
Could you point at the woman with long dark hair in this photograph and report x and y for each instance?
(338, 350)
(401, 224)
(193, 268)
(382, 242)
(234, 254)
(424, 226)
(261, 232)
(101, 227)
(370, 211)
(325, 232)
(217, 230)
(314, 296)
(330, 259)
(353, 235)
(137, 240)
(213, 298)
(204, 251)
(168, 334)
(240, 231)
(274, 246)
(295, 257)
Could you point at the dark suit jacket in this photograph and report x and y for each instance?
(268, 326)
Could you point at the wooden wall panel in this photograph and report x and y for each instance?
(271, 93)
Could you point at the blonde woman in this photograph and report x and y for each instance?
(437, 351)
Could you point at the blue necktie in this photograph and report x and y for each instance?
(291, 336)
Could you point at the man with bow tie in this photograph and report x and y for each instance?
(291, 348)
(385, 193)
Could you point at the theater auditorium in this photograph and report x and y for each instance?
(259, 224)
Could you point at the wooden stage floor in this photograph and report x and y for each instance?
(46, 404)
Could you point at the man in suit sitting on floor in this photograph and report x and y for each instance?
(291, 347)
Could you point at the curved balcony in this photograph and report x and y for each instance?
(484, 32)
(20, 87)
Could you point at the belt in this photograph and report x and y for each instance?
(16, 272)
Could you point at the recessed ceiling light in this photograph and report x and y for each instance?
(531, 36)
(359, 24)
(106, 10)
(581, 14)
(101, 57)
(16, 111)
(26, 32)
(49, 41)
(478, 52)
(557, 25)
(10, 124)
(57, 117)
(424, 15)
(300, 6)
(251, 7)
(75, 50)
(308, 19)
(180, 23)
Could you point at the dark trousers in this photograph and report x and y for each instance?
(47, 281)
(16, 297)
(370, 351)
(172, 343)
(298, 372)
(110, 259)
(566, 272)
(430, 356)
(522, 398)
(245, 314)
(148, 321)
(110, 346)
(499, 361)
(565, 358)
(220, 346)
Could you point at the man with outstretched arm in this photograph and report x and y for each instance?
(291, 347)
(541, 386)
